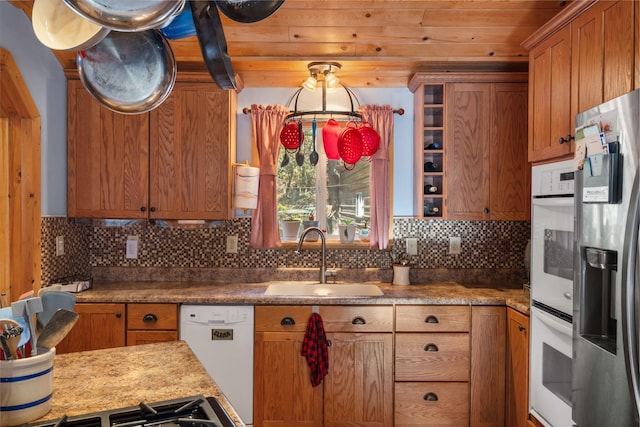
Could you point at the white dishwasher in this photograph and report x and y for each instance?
(221, 337)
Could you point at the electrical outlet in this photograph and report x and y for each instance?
(412, 246)
(59, 245)
(455, 245)
(132, 247)
(232, 244)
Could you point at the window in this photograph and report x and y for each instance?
(327, 192)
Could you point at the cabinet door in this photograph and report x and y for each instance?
(517, 410)
(510, 172)
(602, 54)
(107, 159)
(488, 347)
(283, 395)
(99, 326)
(467, 153)
(358, 391)
(550, 97)
(190, 153)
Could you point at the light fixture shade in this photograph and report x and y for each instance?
(332, 80)
(310, 83)
(330, 134)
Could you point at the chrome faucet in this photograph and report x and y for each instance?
(323, 262)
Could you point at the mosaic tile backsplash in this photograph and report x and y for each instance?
(97, 245)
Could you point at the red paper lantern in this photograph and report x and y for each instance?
(330, 134)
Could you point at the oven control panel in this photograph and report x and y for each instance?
(553, 179)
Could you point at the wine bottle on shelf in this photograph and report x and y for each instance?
(430, 189)
(431, 167)
(431, 210)
(434, 146)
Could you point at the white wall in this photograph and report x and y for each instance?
(45, 79)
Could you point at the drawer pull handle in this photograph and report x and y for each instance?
(431, 347)
(431, 319)
(431, 397)
(521, 328)
(358, 321)
(287, 321)
(150, 318)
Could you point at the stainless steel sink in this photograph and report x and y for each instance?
(317, 289)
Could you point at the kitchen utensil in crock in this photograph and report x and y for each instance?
(129, 73)
(27, 309)
(248, 11)
(370, 139)
(52, 301)
(58, 27)
(299, 153)
(57, 328)
(10, 331)
(313, 157)
(127, 15)
(330, 135)
(7, 313)
(213, 43)
(350, 145)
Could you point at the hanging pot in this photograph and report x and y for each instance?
(127, 15)
(181, 26)
(290, 136)
(330, 135)
(350, 145)
(370, 139)
(248, 11)
(129, 73)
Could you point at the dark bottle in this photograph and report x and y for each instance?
(430, 189)
(431, 210)
(431, 167)
(434, 146)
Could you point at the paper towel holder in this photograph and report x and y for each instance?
(245, 187)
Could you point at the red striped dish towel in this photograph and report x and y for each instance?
(315, 349)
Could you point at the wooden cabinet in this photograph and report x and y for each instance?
(586, 55)
(486, 165)
(517, 375)
(283, 394)
(473, 126)
(488, 348)
(171, 163)
(432, 356)
(150, 323)
(99, 326)
(357, 390)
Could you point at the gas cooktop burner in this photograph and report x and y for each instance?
(195, 411)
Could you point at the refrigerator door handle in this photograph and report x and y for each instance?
(630, 299)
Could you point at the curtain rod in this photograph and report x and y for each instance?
(399, 111)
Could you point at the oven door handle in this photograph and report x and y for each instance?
(554, 323)
(560, 202)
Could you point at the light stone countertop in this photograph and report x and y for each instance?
(99, 380)
(186, 292)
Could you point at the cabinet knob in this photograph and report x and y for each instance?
(143, 209)
(567, 139)
(118, 315)
(358, 321)
(152, 209)
(486, 211)
(431, 397)
(431, 347)
(431, 319)
(287, 321)
(150, 318)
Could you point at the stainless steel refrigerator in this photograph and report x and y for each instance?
(606, 312)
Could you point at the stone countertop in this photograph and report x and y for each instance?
(99, 380)
(253, 294)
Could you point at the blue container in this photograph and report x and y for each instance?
(181, 26)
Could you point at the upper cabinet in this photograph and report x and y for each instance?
(586, 55)
(470, 146)
(171, 163)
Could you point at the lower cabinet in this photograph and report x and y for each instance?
(517, 402)
(150, 323)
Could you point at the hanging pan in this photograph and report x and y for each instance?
(213, 44)
(129, 73)
(248, 11)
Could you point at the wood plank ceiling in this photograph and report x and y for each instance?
(380, 43)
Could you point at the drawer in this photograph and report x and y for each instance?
(149, 337)
(431, 404)
(432, 357)
(357, 318)
(433, 318)
(152, 316)
(282, 318)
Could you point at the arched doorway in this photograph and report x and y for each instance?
(20, 267)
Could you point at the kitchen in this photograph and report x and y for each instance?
(503, 258)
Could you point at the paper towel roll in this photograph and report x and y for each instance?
(245, 185)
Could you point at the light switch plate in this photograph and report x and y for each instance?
(455, 245)
(132, 247)
(232, 244)
(412, 246)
